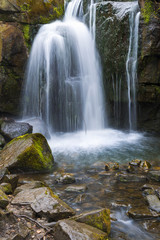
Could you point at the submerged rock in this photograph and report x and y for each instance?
(135, 162)
(11, 129)
(98, 218)
(76, 188)
(44, 203)
(65, 178)
(30, 152)
(72, 230)
(112, 166)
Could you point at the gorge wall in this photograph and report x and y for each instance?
(19, 22)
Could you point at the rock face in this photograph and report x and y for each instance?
(30, 152)
(18, 25)
(149, 66)
(71, 230)
(112, 30)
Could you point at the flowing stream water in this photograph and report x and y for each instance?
(64, 100)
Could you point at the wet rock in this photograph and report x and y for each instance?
(103, 174)
(44, 203)
(69, 230)
(141, 213)
(6, 188)
(147, 186)
(130, 169)
(3, 200)
(11, 129)
(65, 178)
(98, 218)
(30, 152)
(112, 166)
(76, 188)
(154, 202)
(135, 162)
(80, 198)
(2, 141)
(130, 177)
(155, 175)
(148, 192)
(11, 179)
(145, 165)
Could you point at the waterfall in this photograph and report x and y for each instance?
(63, 78)
(131, 66)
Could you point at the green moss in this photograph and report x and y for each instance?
(26, 34)
(148, 11)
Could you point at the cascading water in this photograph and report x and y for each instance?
(131, 66)
(63, 83)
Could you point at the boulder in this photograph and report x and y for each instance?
(44, 203)
(3, 199)
(72, 230)
(98, 218)
(11, 129)
(30, 152)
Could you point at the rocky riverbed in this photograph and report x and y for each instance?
(105, 200)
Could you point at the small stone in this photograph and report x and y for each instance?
(3, 199)
(154, 202)
(65, 178)
(145, 165)
(131, 169)
(76, 188)
(112, 166)
(12, 179)
(135, 162)
(6, 188)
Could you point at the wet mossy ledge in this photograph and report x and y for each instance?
(27, 153)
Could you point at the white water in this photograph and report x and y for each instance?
(131, 66)
(64, 80)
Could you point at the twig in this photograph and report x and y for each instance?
(33, 220)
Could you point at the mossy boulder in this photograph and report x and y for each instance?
(70, 229)
(98, 218)
(30, 152)
(6, 188)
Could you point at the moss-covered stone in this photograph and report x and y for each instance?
(6, 188)
(3, 199)
(30, 152)
(99, 219)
